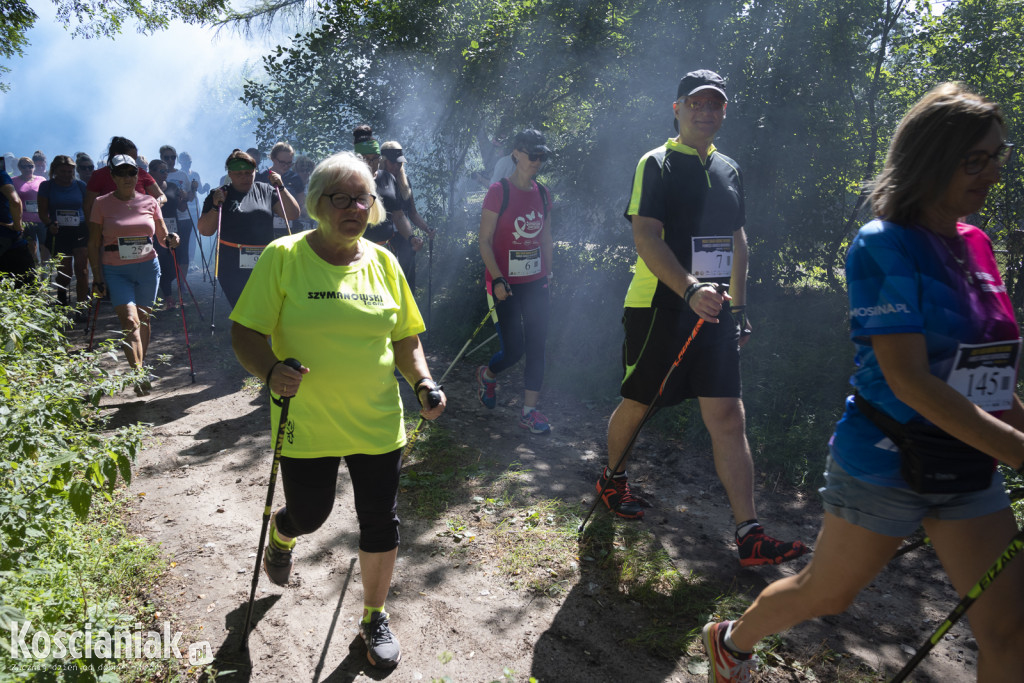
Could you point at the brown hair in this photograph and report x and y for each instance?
(60, 160)
(239, 154)
(927, 148)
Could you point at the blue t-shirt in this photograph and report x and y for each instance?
(909, 280)
(60, 198)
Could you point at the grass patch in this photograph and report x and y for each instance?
(439, 472)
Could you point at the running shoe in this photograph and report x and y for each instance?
(757, 548)
(382, 648)
(277, 561)
(535, 422)
(619, 498)
(487, 389)
(725, 667)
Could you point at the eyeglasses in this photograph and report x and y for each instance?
(124, 172)
(25, 166)
(976, 162)
(712, 105)
(169, 157)
(341, 200)
(283, 162)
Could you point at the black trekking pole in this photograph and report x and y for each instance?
(199, 240)
(184, 325)
(636, 432)
(1015, 546)
(419, 425)
(282, 425)
(216, 272)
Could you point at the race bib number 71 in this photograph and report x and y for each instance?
(712, 257)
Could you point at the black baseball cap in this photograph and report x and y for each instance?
(531, 141)
(697, 81)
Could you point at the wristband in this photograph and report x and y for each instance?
(692, 289)
(271, 372)
(421, 381)
(503, 282)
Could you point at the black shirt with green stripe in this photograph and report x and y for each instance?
(690, 198)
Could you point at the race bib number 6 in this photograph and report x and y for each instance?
(986, 373)
(712, 257)
(131, 248)
(523, 262)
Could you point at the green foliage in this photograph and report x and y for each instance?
(58, 465)
(16, 18)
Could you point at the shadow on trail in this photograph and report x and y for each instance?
(230, 662)
(608, 634)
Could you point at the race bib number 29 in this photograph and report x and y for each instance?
(712, 257)
(986, 373)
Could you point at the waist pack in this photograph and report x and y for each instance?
(932, 461)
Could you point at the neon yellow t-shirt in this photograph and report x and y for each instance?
(339, 321)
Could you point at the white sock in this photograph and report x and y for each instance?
(528, 409)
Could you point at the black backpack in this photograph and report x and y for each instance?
(504, 197)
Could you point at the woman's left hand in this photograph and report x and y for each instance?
(173, 240)
(427, 411)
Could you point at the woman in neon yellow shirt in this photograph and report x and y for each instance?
(341, 304)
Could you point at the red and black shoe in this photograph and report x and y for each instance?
(618, 497)
(757, 548)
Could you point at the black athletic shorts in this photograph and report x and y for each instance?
(68, 239)
(654, 336)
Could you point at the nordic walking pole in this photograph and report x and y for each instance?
(284, 214)
(216, 270)
(184, 325)
(1015, 546)
(282, 425)
(199, 240)
(647, 414)
(95, 316)
(430, 271)
(482, 344)
(419, 425)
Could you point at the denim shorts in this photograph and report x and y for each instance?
(898, 512)
(133, 283)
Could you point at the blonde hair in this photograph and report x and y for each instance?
(927, 148)
(338, 168)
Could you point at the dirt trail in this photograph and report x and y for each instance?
(200, 487)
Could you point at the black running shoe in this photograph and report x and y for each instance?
(619, 498)
(277, 563)
(382, 648)
(757, 548)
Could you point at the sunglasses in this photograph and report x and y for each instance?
(169, 157)
(124, 172)
(538, 157)
(24, 166)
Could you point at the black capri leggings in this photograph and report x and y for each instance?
(523, 329)
(309, 490)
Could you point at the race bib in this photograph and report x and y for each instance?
(280, 224)
(68, 218)
(712, 257)
(248, 256)
(986, 373)
(131, 248)
(523, 262)
(172, 224)
(31, 206)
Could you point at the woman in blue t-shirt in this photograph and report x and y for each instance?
(937, 347)
(61, 200)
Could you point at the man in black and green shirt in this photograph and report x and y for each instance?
(687, 214)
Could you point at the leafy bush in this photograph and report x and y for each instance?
(57, 462)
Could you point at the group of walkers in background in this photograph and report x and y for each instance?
(318, 262)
